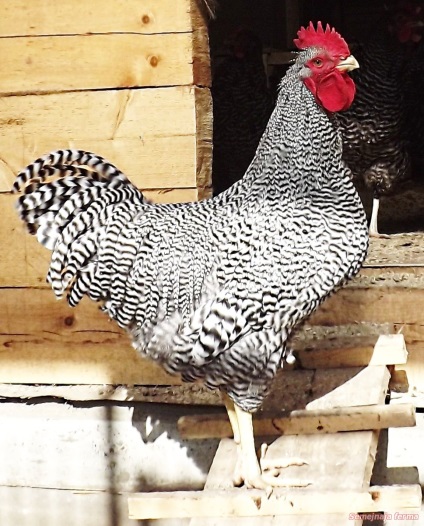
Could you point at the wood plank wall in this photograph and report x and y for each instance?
(130, 81)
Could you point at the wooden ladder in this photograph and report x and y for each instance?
(337, 435)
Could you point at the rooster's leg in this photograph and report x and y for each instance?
(229, 406)
(373, 231)
(248, 470)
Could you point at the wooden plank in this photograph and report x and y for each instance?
(70, 17)
(292, 390)
(186, 394)
(368, 386)
(388, 350)
(378, 304)
(307, 422)
(50, 343)
(242, 503)
(399, 250)
(82, 62)
(131, 128)
(25, 506)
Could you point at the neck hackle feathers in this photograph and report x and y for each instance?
(327, 38)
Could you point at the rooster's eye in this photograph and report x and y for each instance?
(317, 62)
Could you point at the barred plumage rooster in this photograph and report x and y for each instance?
(212, 290)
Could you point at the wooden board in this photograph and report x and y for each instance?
(124, 45)
(399, 251)
(285, 395)
(239, 503)
(351, 352)
(70, 17)
(131, 128)
(307, 422)
(83, 62)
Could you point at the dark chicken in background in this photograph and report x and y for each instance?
(213, 289)
(375, 128)
(242, 106)
(413, 80)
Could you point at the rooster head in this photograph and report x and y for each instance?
(325, 71)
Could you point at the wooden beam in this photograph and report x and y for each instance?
(402, 252)
(304, 422)
(45, 64)
(130, 128)
(375, 304)
(254, 503)
(388, 350)
(398, 381)
(70, 17)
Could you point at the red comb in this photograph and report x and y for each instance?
(328, 39)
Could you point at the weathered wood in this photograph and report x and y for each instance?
(375, 304)
(388, 350)
(362, 387)
(84, 62)
(70, 17)
(218, 477)
(25, 506)
(73, 346)
(328, 467)
(400, 251)
(307, 422)
(186, 394)
(131, 128)
(291, 391)
(399, 381)
(253, 503)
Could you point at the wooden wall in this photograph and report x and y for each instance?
(129, 80)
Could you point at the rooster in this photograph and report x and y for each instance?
(212, 290)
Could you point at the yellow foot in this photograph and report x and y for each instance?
(266, 474)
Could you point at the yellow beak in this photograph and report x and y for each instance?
(348, 64)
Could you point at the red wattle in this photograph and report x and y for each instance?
(335, 91)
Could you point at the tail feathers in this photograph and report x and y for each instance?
(63, 159)
(68, 198)
(90, 216)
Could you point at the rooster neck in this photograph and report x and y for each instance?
(299, 153)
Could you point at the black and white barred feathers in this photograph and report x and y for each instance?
(210, 289)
